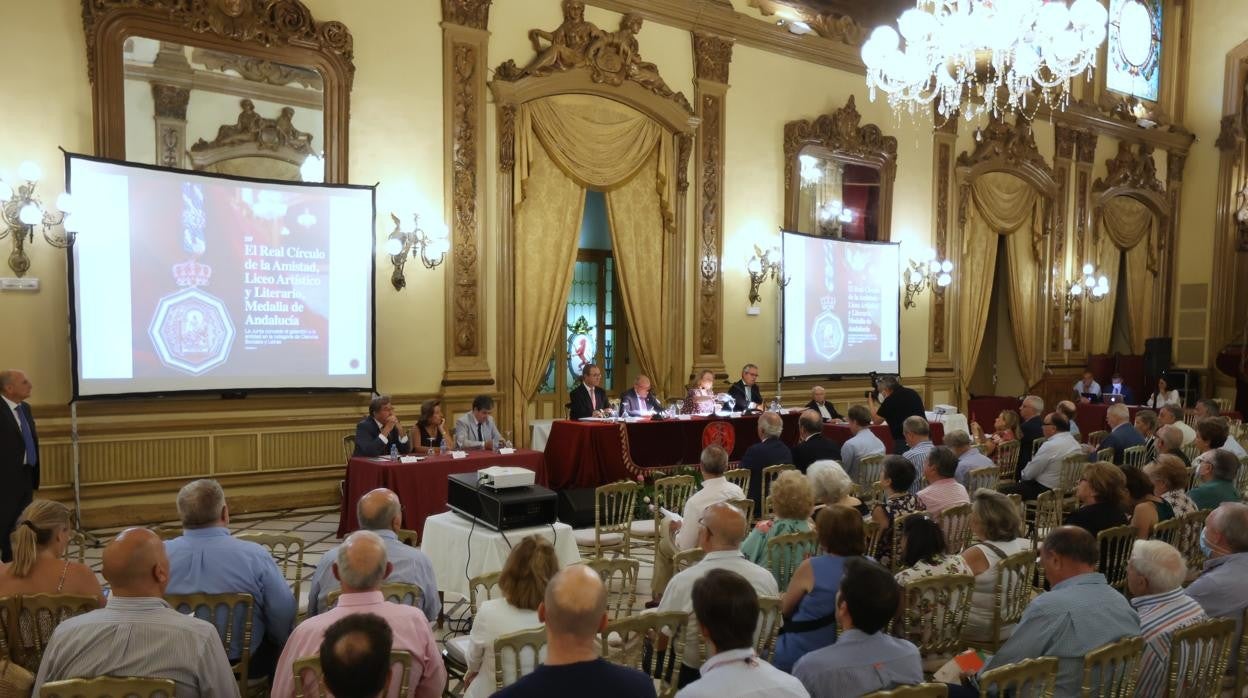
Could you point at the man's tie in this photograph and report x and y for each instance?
(32, 457)
(593, 403)
(479, 437)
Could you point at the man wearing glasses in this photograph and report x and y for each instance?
(745, 392)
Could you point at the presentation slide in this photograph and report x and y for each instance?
(841, 306)
(187, 282)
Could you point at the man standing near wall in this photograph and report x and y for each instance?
(19, 454)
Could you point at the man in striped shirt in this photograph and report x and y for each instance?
(943, 490)
(917, 433)
(1155, 578)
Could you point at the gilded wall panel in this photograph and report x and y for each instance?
(300, 449)
(144, 459)
(235, 453)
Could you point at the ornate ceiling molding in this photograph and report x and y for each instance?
(838, 27)
(467, 13)
(258, 69)
(1130, 169)
(712, 56)
(841, 132)
(1004, 147)
(170, 100)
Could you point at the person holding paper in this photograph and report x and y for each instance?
(476, 429)
(638, 401)
(376, 432)
(588, 400)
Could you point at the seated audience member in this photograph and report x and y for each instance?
(1117, 387)
(969, 457)
(726, 609)
(361, 567)
(1143, 506)
(1172, 415)
(476, 428)
(812, 444)
(1101, 492)
(791, 504)
(1080, 613)
(1165, 395)
(588, 399)
(1214, 433)
(1068, 410)
(809, 604)
(379, 511)
(379, 430)
(917, 434)
(1146, 424)
(862, 441)
(39, 564)
(1205, 408)
(1216, 476)
(355, 656)
(1168, 479)
(1005, 428)
(896, 404)
(769, 450)
(745, 392)
(685, 534)
(1086, 387)
(638, 401)
(575, 611)
(701, 398)
(864, 657)
(1155, 580)
(897, 476)
(1222, 587)
(529, 568)
(1170, 442)
(1031, 413)
(996, 525)
(818, 403)
(830, 485)
(1044, 470)
(723, 528)
(206, 559)
(942, 490)
(923, 552)
(1121, 434)
(431, 428)
(137, 634)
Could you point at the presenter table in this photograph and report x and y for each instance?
(460, 551)
(421, 486)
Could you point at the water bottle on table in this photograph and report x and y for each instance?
(394, 452)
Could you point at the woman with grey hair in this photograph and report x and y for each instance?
(832, 485)
(995, 523)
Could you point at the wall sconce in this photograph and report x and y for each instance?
(21, 210)
(764, 265)
(1094, 286)
(431, 249)
(928, 273)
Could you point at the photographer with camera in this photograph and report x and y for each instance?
(897, 402)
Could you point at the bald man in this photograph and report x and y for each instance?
(769, 450)
(575, 611)
(723, 530)
(379, 511)
(137, 633)
(19, 454)
(361, 567)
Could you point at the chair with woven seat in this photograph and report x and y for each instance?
(918, 690)
(983, 479)
(1030, 677)
(517, 654)
(1198, 657)
(739, 477)
(1006, 457)
(307, 674)
(614, 506)
(685, 559)
(395, 592)
(619, 576)
(108, 687)
(769, 621)
(1010, 595)
(232, 615)
(770, 473)
(628, 650)
(1115, 545)
(870, 468)
(1095, 438)
(955, 523)
(670, 493)
(933, 613)
(27, 622)
(287, 551)
(1133, 457)
(348, 447)
(785, 553)
(1110, 671)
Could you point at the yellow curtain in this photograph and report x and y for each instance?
(1001, 204)
(1024, 306)
(1126, 224)
(639, 246)
(1099, 316)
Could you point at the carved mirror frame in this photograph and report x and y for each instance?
(839, 136)
(282, 31)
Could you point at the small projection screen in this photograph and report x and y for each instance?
(185, 282)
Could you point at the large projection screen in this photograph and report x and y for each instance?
(182, 282)
(841, 306)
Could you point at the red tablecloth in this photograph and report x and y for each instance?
(421, 486)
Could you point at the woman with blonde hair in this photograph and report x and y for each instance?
(1005, 426)
(791, 504)
(995, 524)
(522, 582)
(40, 541)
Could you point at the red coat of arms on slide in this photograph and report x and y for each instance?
(720, 433)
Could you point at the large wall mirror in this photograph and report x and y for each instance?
(839, 176)
(256, 88)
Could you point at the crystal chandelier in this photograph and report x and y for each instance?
(981, 56)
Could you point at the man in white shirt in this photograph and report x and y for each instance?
(726, 607)
(1087, 386)
(863, 441)
(1172, 415)
(723, 529)
(1044, 471)
(685, 534)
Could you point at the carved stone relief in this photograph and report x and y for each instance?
(711, 57)
(467, 13)
(710, 225)
(259, 69)
(464, 253)
(1133, 169)
(266, 134)
(170, 100)
(945, 159)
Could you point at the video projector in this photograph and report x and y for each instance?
(501, 477)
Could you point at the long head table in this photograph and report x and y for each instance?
(421, 486)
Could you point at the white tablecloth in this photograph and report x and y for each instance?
(448, 544)
(953, 422)
(540, 433)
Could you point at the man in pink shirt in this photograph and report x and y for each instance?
(361, 567)
(942, 491)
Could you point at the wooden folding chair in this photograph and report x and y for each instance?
(955, 523)
(1110, 671)
(27, 622)
(1115, 545)
(287, 552)
(1010, 596)
(770, 473)
(1198, 657)
(1030, 677)
(785, 553)
(614, 508)
(232, 615)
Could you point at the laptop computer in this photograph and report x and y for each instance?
(1112, 398)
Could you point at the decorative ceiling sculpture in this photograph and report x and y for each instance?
(842, 132)
(1014, 144)
(801, 16)
(1130, 169)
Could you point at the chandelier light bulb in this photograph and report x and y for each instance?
(1103, 281)
(29, 171)
(914, 276)
(393, 246)
(933, 267)
(754, 266)
(946, 266)
(1087, 270)
(944, 280)
(1076, 290)
(30, 214)
(65, 202)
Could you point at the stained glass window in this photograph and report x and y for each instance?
(1134, 64)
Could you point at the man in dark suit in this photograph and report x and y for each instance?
(827, 411)
(638, 400)
(588, 400)
(770, 450)
(1121, 434)
(1032, 428)
(746, 394)
(812, 445)
(1117, 387)
(379, 430)
(19, 454)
